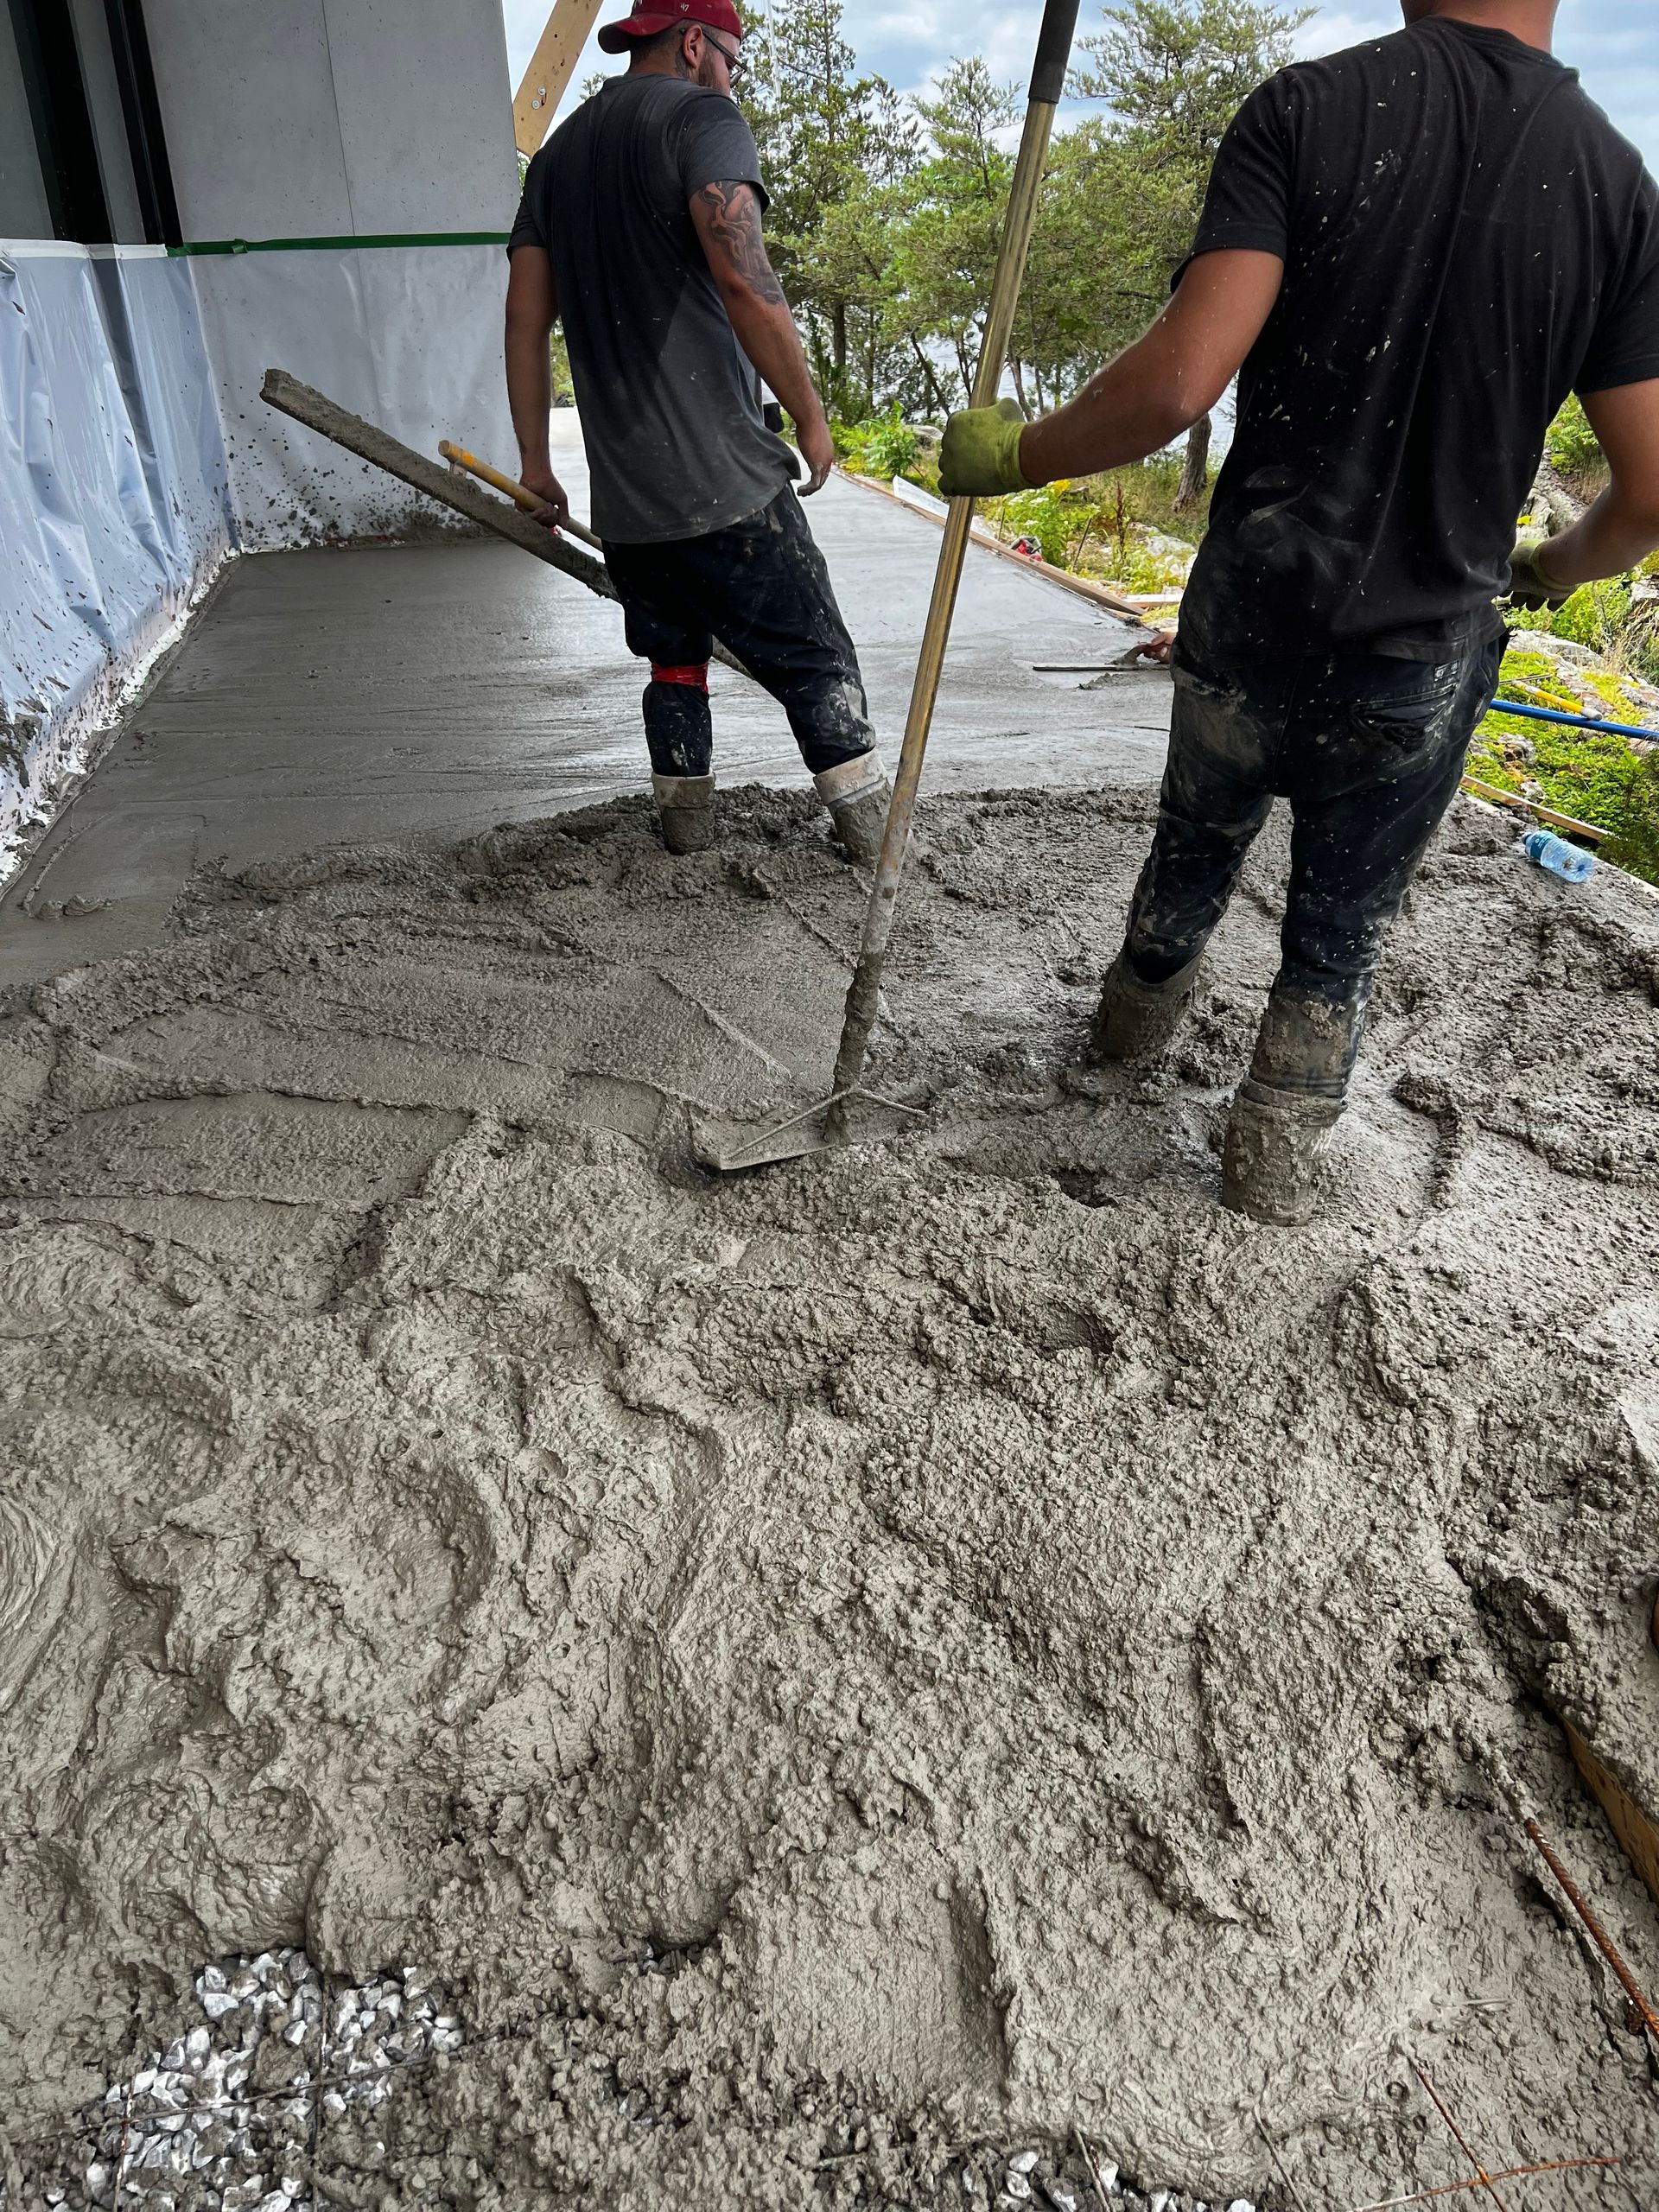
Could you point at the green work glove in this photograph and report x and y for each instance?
(1529, 585)
(979, 457)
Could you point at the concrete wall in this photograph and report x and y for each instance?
(308, 118)
(328, 120)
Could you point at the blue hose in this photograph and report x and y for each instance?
(1574, 722)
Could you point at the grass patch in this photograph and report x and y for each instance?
(1591, 775)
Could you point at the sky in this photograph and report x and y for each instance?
(1614, 44)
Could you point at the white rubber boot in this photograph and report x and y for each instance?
(685, 809)
(1280, 1127)
(856, 793)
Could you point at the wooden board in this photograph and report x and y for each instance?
(1636, 1829)
(542, 87)
(1083, 587)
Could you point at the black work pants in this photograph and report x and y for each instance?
(1369, 753)
(760, 586)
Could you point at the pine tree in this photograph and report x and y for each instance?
(829, 139)
(955, 203)
(1174, 73)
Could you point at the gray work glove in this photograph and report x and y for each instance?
(1529, 585)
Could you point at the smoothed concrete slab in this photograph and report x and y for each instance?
(375, 693)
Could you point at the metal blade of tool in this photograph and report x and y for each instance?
(729, 1147)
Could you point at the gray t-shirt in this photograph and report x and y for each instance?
(671, 412)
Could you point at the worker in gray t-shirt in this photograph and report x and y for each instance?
(640, 229)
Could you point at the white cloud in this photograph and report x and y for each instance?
(1332, 29)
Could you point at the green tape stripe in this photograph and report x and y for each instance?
(332, 245)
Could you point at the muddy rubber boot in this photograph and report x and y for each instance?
(1270, 1161)
(1136, 1021)
(856, 793)
(685, 809)
(1281, 1124)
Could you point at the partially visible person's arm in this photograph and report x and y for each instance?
(1139, 402)
(1159, 387)
(532, 308)
(1622, 528)
(728, 219)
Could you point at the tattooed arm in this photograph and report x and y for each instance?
(728, 219)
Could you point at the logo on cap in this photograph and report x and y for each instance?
(651, 16)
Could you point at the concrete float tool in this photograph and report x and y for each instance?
(369, 442)
(829, 1121)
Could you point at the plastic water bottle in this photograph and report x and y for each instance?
(1571, 862)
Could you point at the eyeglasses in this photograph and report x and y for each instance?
(734, 68)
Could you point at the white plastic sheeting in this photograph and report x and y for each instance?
(408, 335)
(135, 452)
(114, 500)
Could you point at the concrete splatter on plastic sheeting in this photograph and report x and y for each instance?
(845, 1673)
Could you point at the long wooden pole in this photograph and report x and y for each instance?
(1048, 84)
(458, 457)
(318, 412)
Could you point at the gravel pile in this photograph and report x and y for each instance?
(233, 2115)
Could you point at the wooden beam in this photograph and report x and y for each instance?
(1083, 587)
(1635, 1825)
(1632, 1824)
(542, 87)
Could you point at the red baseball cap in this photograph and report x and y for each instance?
(651, 16)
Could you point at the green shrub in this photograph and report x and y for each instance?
(1595, 614)
(1047, 515)
(1142, 568)
(891, 446)
(885, 446)
(1635, 843)
(1570, 442)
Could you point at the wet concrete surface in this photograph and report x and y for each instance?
(365, 694)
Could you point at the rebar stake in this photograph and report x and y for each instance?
(1603, 1942)
(1483, 2179)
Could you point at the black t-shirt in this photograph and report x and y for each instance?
(671, 412)
(1467, 240)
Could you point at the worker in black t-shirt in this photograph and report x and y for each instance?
(1410, 254)
(639, 229)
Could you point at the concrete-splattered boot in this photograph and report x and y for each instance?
(1279, 1130)
(685, 809)
(856, 793)
(1136, 1021)
(1270, 1161)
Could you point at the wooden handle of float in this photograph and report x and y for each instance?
(458, 457)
